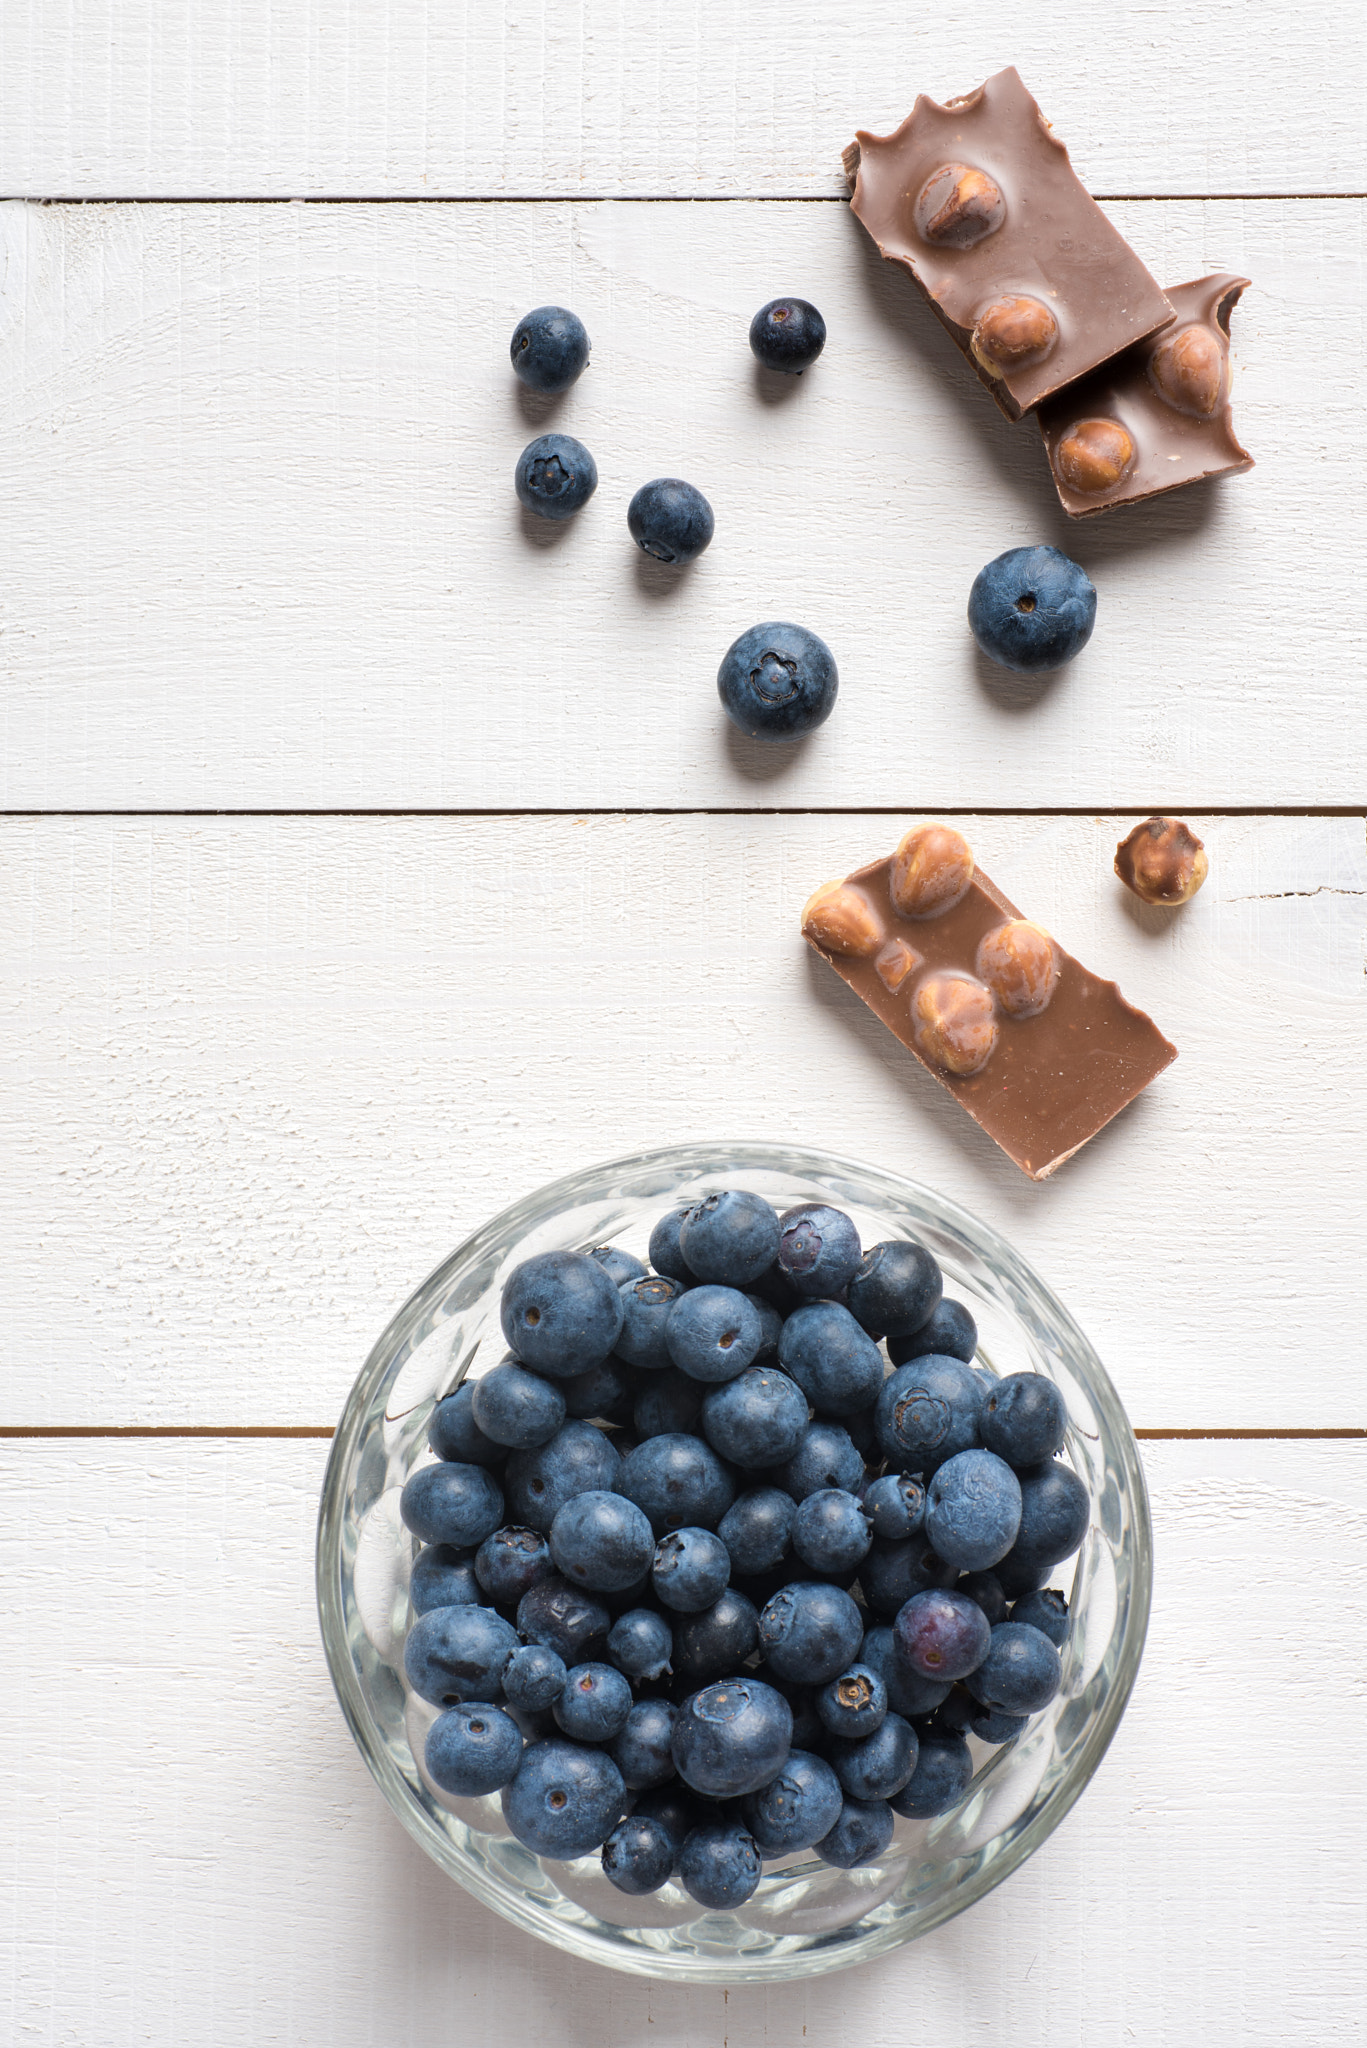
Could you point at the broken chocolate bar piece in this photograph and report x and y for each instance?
(1155, 418)
(977, 199)
(1040, 1051)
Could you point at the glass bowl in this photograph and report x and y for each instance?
(804, 1918)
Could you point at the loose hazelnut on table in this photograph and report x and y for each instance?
(1162, 861)
(1019, 963)
(840, 919)
(932, 870)
(1094, 455)
(959, 205)
(954, 1023)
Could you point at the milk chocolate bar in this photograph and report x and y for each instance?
(1156, 417)
(977, 199)
(1041, 1052)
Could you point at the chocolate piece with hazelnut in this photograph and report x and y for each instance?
(1162, 861)
(839, 918)
(931, 870)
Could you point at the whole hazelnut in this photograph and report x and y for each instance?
(1094, 455)
(1187, 369)
(841, 920)
(959, 205)
(1162, 861)
(1013, 332)
(931, 871)
(895, 962)
(1019, 962)
(953, 1022)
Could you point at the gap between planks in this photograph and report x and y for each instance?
(937, 807)
(43, 1433)
(603, 198)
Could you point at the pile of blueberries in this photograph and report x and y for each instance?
(709, 1579)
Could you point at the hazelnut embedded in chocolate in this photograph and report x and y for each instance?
(1162, 861)
(959, 205)
(1094, 455)
(1019, 962)
(931, 870)
(895, 962)
(1012, 333)
(841, 920)
(953, 1021)
(1187, 371)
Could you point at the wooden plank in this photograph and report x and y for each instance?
(198, 1855)
(723, 96)
(262, 551)
(263, 1074)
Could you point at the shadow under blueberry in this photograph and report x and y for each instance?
(1010, 690)
(539, 408)
(660, 581)
(763, 760)
(543, 534)
(774, 387)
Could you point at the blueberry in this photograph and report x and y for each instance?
(796, 1808)
(778, 682)
(675, 1808)
(677, 1482)
(645, 1311)
(808, 1732)
(691, 1570)
(534, 1678)
(825, 1457)
(810, 1631)
(510, 1562)
(472, 1750)
(787, 335)
(837, 1365)
(665, 1255)
(1055, 1511)
(454, 1434)
(564, 1618)
(713, 1333)
(516, 1407)
(602, 1541)
(638, 1856)
(719, 1865)
(942, 1634)
(594, 1703)
(928, 1410)
(560, 1313)
(621, 1267)
(1018, 1574)
(771, 1322)
(830, 1530)
(985, 1588)
(896, 1506)
(643, 1750)
(457, 1504)
(443, 1577)
(641, 1643)
(756, 1528)
(875, 1766)
(853, 1705)
(578, 1459)
(732, 1737)
(893, 1572)
(729, 1238)
(549, 348)
(454, 1654)
(1019, 1675)
(607, 1391)
(668, 1404)
(670, 520)
(895, 1288)
(565, 1800)
(818, 1250)
(758, 1418)
(862, 1832)
(943, 1773)
(1024, 1419)
(775, 1288)
(555, 475)
(973, 1510)
(717, 1641)
(1048, 1612)
(909, 1694)
(950, 1333)
(1031, 609)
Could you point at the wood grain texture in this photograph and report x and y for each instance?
(380, 97)
(196, 1853)
(262, 1074)
(262, 550)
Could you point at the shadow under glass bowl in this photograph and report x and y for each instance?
(805, 1918)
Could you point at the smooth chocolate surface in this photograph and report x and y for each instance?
(1168, 395)
(1052, 1080)
(1021, 228)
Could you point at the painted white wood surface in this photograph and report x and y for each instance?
(262, 1074)
(261, 547)
(379, 97)
(195, 1854)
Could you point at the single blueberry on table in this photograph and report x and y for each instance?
(510, 1562)
(555, 475)
(565, 1800)
(594, 1703)
(787, 335)
(560, 1313)
(645, 1311)
(691, 1570)
(456, 1504)
(837, 1365)
(643, 1751)
(669, 1404)
(443, 1576)
(810, 1631)
(731, 1737)
(719, 1640)
(909, 1694)
(825, 1457)
(895, 1288)
(973, 1510)
(638, 1856)
(455, 1435)
(796, 1808)
(602, 1541)
(895, 1506)
(1020, 1673)
(665, 1255)
(454, 1654)
(565, 1618)
(943, 1773)
(756, 1529)
(677, 1482)
(516, 1407)
(853, 1705)
(549, 348)
(1024, 1419)
(1031, 609)
(1055, 1512)
(927, 1412)
(818, 1249)
(472, 1750)
(757, 1419)
(862, 1832)
(1046, 1611)
(942, 1634)
(719, 1865)
(730, 1238)
(533, 1678)
(830, 1530)
(950, 1333)
(641, 1643)
(893, 1572)
(777, 682)
(578, 1459)
(607, 1391)
(621, 1267)
(875, 1766)
(713, 1333)
(670, 520)
(985, 1588)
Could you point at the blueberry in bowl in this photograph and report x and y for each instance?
(778, 682)
(1032, 609)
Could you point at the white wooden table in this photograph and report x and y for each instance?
(302, 725)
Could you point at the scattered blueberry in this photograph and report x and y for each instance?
(454, 1434)
(717, 1641)
(796, 1808)
(670, 520)
(594, 1703)
(565, 1800)
(510, 1562)
(1031, 609)
(1019, 1675)
(1024, 1419)
(825, 1457)
(456, 1504)
(758, 1418)
(877, 1765)
(1048, 1612)
(677, 1482)
(603, 1541)
(555, 475)
(862, 1832)
(563, 1617)
(454, 1654)
(444, 1577)
(643, 1750)
(732, 1737)
(472, 1750)
(942, 1634)
(516, 1407)
(729, 1239)
(943, 1773)
(549, 348)
(719, 1865)
(777, 682)
(927, 1412)
(810, 1631)
(787, 335)
(713, 1333)
(578, 1459)
(818, 1250)
(641, 1643)
(756, 1529)
(534, 1678)
(950, 1332)
(895, 1288)
(837, 1365)
(973, 1510)
(830, 1530)
(638, 1856)
(645, 1311)
(896, 1506)
(853, 1705)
